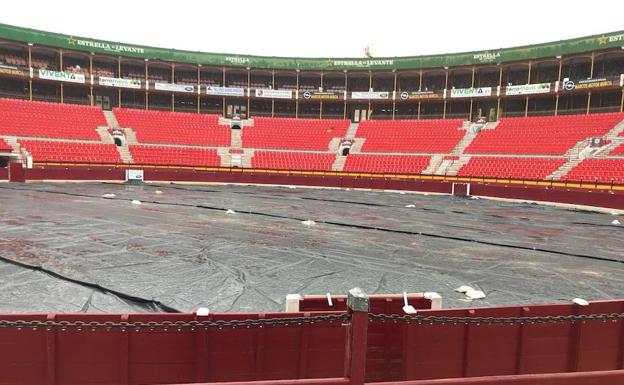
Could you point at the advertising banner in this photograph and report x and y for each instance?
(174, 87)
(61, 76)
(370, 95)
(11, 70)
(134, 175)
(275, 94)
(119, 82)
(321, 95)
(528, 89)
(471, 92)
(225, 91)
(417, 95)
(585, 84)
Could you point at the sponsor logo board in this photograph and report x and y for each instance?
(370, 95)
(486, 57)
(275, 94)
(174, 87)
(318, 95)
(109, 47)
(528, 89)
(471, 92)
(119, 82)
(134, 175)
(61, 76)
(584, 84)
(225, 91)
(11, 70)
(406, 95)
(362, 63)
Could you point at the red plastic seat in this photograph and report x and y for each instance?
(298, 134)
(402, 164)
(545, 135)
(174, 127)
(410, 136)
(511, 167)
(71, 152)
(175, 156)
(293, 160)
(4, 147)
(50, 120)
(600, 170)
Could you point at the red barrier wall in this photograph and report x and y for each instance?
(598, 198)
(4, 173)
(472, 353)
(530, 191)
(613, 377)
(385, 341)
(583, 378)
(473, 350)
(16, 172)
(75, 173)
(57, 357)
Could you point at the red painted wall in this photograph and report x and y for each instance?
(385, 341)
(161, 357)
(474, 350)
(597, 197)
(471, 353)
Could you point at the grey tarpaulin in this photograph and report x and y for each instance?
(65, 248)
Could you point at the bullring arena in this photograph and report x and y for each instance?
(179, 245)
(172, 217)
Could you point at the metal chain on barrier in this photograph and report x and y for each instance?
(172, 325)
(396, 318)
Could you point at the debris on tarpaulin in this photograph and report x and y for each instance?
(470, 293)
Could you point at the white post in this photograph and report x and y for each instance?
(292, 303)
(435, 298)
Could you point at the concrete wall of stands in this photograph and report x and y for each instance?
(326, 352)
(588, 194)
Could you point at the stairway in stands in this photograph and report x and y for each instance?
(111, 119)
(450, 165)
(581, 151)
(615, 138)
(12, 141)
(339, 163)
(125, 155)
(352, 130)
(105, 136)
(130, 136)
(575, 156)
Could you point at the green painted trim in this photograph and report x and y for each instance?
(535, 51)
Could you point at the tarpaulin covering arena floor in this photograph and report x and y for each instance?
(66, 248)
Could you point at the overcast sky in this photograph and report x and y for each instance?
(322, 28)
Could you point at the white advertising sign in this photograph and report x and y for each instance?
(134, 175)
(370, 95)
(61, 76)
(174, 87)
(527, 89)
(275, 94)
(225, 91)
(471, 92)
(119, 82)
